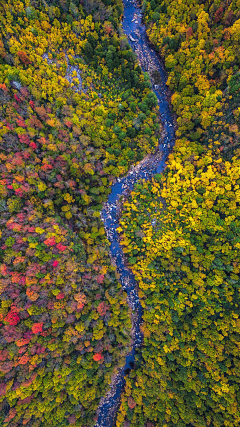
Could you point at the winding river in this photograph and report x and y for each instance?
(135, 30)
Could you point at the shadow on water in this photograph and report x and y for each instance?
(150, 62)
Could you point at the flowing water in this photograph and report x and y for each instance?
(135, 30)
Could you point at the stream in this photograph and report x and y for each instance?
(150, 62)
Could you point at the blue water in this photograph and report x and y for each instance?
(150, 62)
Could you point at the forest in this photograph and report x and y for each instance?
(181, 229)
(76, 111)
(66, 134)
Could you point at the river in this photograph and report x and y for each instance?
(135, 30)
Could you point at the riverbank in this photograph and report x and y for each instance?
(148, 59)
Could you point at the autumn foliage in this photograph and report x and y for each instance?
(181, 229)
(69, 125)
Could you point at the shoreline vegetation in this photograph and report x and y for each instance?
(64, 319)
(181, 230)
(76, 111)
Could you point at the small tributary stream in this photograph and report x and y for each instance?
(149, 61)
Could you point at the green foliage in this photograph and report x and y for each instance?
(66, 86)
(181, 230)
(181, 233)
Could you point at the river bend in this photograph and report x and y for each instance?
(149, 61)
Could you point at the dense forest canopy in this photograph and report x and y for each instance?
(181, 230)
(76, 111)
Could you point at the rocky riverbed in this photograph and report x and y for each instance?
(150, 62)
